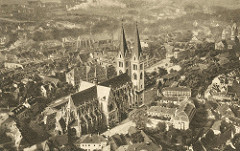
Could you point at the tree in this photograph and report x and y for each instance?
(162, 71)
(139, 117)
(225, 126)
(210, 136)
(160, 85)
(137, 138)
(161, 127)
(154, 74)
(173, 60)
(38, 36)
(236, 141)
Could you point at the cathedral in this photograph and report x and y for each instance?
(99, 106)
(132, 64)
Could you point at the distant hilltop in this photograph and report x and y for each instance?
(24, 2)
(97, 3)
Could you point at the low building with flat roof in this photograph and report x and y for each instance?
(176, 92)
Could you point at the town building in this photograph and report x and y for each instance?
(50, 46)
(92, 143)
(166, 100)
(3, 41)
(180, 54)
(12, 65)
(13, 7)
(216, 127)
(12, 131)
(176, 92)
(149, 146)
(230, 38)
(180, 117)
(169, 50)
(86, 73)
(53, 143)
(220, 45)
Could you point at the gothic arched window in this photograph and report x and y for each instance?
(120, 64)
(135, 76)
(141, 76)
(134, 67)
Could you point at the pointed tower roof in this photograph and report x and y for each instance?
(137, 46)
(123, 42)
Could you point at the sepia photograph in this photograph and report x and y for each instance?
(119, 75)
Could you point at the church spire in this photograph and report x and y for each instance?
(123, 42)
(137, 47)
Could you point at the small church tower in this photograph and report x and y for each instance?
(122, 60)
(137, 68)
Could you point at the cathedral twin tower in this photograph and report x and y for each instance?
(131, 63)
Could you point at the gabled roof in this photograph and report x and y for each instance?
(58, 104)
(85, 85)
(94, 139)
(60, 139)
(118, 140)
(103, 92)
(225, 110)
(84, 96)
(117, 81)
(50, 79)
(146, 146)
(51, 119)
(216, 125)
